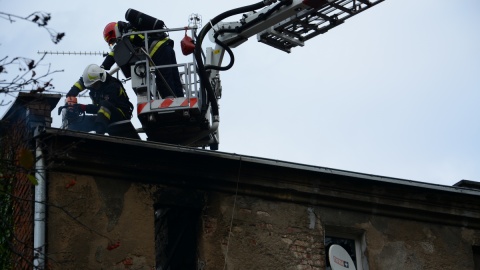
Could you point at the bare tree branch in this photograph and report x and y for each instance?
(28, 80)
(40, 18)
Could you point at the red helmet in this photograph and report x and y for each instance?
(110, 32)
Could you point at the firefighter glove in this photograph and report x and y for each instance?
(81, 107)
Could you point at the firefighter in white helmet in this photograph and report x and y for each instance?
(110, 102)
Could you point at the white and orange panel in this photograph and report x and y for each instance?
(167, 104)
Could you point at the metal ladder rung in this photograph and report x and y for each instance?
(310, 23)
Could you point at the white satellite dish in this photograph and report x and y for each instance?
(340, 259)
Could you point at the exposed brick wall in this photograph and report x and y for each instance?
(261, 235)
(22, 196)
(23, 223)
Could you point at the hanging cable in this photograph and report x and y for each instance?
(233, 212)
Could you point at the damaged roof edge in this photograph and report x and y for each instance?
(265, 161)
(25, 98)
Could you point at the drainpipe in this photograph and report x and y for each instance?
(40, 208)
(35, 110)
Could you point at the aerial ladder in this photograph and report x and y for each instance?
(193, 120)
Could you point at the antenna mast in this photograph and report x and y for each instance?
(74, 53)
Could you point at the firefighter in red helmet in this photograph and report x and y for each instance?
(110, 33)
(160, 51)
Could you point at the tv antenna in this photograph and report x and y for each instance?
(73, 53)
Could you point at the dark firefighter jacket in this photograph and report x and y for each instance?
(155, 40)
(111, 90)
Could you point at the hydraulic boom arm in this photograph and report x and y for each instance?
(282, 24)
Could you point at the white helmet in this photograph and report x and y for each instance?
(93, 73)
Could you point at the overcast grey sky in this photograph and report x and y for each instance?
(393, 91)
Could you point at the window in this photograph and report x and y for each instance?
(476, 257)
(177, 217)
(352, 240)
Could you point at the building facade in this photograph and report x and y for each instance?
(116, 203)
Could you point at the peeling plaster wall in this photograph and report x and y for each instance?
(403, 244)
(99, 223)
(88, 216)
(261, 234)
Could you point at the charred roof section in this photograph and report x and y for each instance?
(33, 109)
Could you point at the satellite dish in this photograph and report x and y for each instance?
(339, 258)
